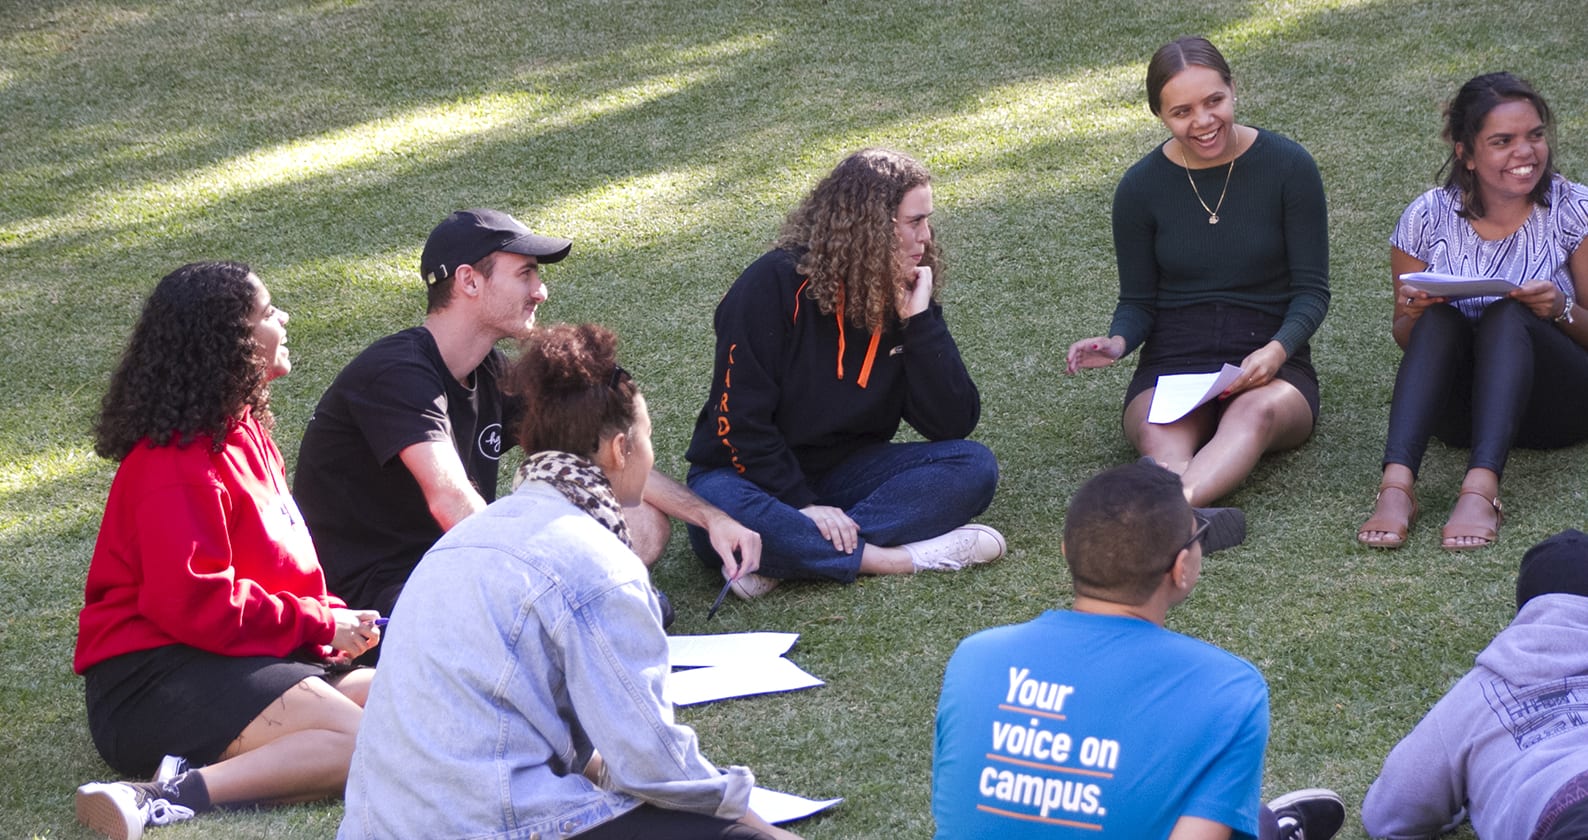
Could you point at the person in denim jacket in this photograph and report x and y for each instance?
(526, 697)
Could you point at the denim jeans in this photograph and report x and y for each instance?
(1510, 379)
(896, 492)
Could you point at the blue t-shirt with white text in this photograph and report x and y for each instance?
(1081, 725)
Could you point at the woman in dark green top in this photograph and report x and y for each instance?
(1221, 236)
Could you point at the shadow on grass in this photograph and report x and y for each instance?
(321, 140)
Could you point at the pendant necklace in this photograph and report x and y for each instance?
(1213, 212)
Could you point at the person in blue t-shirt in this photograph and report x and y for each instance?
(1099, 721)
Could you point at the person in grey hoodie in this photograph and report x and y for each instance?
(1507, 747)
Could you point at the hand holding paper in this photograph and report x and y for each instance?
(1177, 395)
(1454, 286)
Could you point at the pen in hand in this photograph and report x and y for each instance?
(728, 584)
(715, 605)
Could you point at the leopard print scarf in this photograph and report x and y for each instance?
(581, 482)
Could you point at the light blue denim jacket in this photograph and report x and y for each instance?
(527, 637)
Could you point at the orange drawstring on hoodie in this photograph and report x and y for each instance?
(871, 350)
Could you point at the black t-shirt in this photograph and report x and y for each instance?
(366, 512)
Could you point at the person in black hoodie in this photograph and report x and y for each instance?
(824, 345)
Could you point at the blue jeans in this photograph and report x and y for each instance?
(896, 492)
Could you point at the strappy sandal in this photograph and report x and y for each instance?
(1384, 524)
(1482, 531)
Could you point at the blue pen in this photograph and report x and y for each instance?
(717, 604)
(381, 622)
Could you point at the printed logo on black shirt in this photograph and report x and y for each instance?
(490, 442)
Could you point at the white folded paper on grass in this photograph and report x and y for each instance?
(778, 807)
(726, 648)
(1177, 394)
(764, 675)
(1455, 286)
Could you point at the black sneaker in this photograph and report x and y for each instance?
(1310, 814)
(121, 810)
(1226, 528)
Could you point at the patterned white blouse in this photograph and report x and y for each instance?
(1431, 231)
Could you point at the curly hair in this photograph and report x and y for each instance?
(846, 231)
(575, 393)
(1464, 118)
(191, 365)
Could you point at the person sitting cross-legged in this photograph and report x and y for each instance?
(826, 345)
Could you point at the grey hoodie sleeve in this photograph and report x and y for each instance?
(1421, 791)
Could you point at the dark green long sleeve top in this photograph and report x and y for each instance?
(1269, 251)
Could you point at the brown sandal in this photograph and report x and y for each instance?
(1387, 525)
(1482, 531)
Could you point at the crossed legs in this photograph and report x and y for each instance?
(896, 493)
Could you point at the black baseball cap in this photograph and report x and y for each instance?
(467, 236)
(1558, 564)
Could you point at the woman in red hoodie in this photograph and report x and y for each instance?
(207, 632)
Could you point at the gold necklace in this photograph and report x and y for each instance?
(1213, 212)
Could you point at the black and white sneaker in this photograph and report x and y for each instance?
(170, 767)
(121, 810)
(1310, 814)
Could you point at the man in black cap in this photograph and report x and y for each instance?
(405, 442)
(1507, 747)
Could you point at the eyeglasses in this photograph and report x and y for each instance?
(1196, 537)
(618, 375)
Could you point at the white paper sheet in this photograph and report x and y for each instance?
(778, 807)
(1454, 286)
(726, 648)
(765, 675)
(1176, 395)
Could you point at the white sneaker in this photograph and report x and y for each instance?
(752, 586)
(968, 545)
(120, 810)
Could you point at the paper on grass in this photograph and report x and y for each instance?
(726, 648)
(778, 807)
(1455, 286)
(764, 675)
(1177, 394)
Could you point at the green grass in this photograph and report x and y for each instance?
(320, 140)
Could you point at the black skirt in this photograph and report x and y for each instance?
(1202, 338)
(178, 700)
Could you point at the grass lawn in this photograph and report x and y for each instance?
(319, 140)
